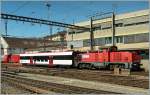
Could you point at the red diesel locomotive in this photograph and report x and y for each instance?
(107, 58)
(110, 58)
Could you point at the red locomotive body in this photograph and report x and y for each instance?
(110, 59)
(89, 57)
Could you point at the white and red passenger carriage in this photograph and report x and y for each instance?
(49, 58)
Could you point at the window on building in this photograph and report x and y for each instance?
(106, 28)
(129, 24)
(142, 22)
(86, 42)
(71, 46)
(119, 24)
(71, 32)
(129, 39)
(10, 49)
(142, 37)
(108, 40)
(99, 41)
(119, 39)
(136, 38)
(97, 27)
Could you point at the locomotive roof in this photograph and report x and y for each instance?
(48, 53)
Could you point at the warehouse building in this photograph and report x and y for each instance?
(131, 33)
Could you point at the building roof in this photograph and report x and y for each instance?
(30, 43)
(14, 42)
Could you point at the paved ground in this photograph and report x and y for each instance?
(86, 84)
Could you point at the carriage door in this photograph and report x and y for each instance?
(50, 61)
(31, 60)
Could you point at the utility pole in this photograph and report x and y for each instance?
(6, 23)
(93, 18)
(72, 31)
(91, 34)
(50, 27)
(113, 29)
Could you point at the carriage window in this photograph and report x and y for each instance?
(64, 57)
(41, 58)
(38, 59)
(24, 57)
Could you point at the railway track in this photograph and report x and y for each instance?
(43, 87)
(92, 75)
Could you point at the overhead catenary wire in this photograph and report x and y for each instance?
(20, 7)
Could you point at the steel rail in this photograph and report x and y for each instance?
(44, 87)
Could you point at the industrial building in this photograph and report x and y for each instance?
(59, 36)
(131, 32)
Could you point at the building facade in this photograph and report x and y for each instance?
(59, 36)
(131, 32)
(57, 41)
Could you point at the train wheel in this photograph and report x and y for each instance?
(111, 67)
(87, 65)
(91, 66)
(80, 66)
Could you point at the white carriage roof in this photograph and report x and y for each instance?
(48, 54)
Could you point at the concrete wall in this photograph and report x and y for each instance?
(4, 46)
(145, 63)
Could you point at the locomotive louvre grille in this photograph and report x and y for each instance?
(85, 56)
